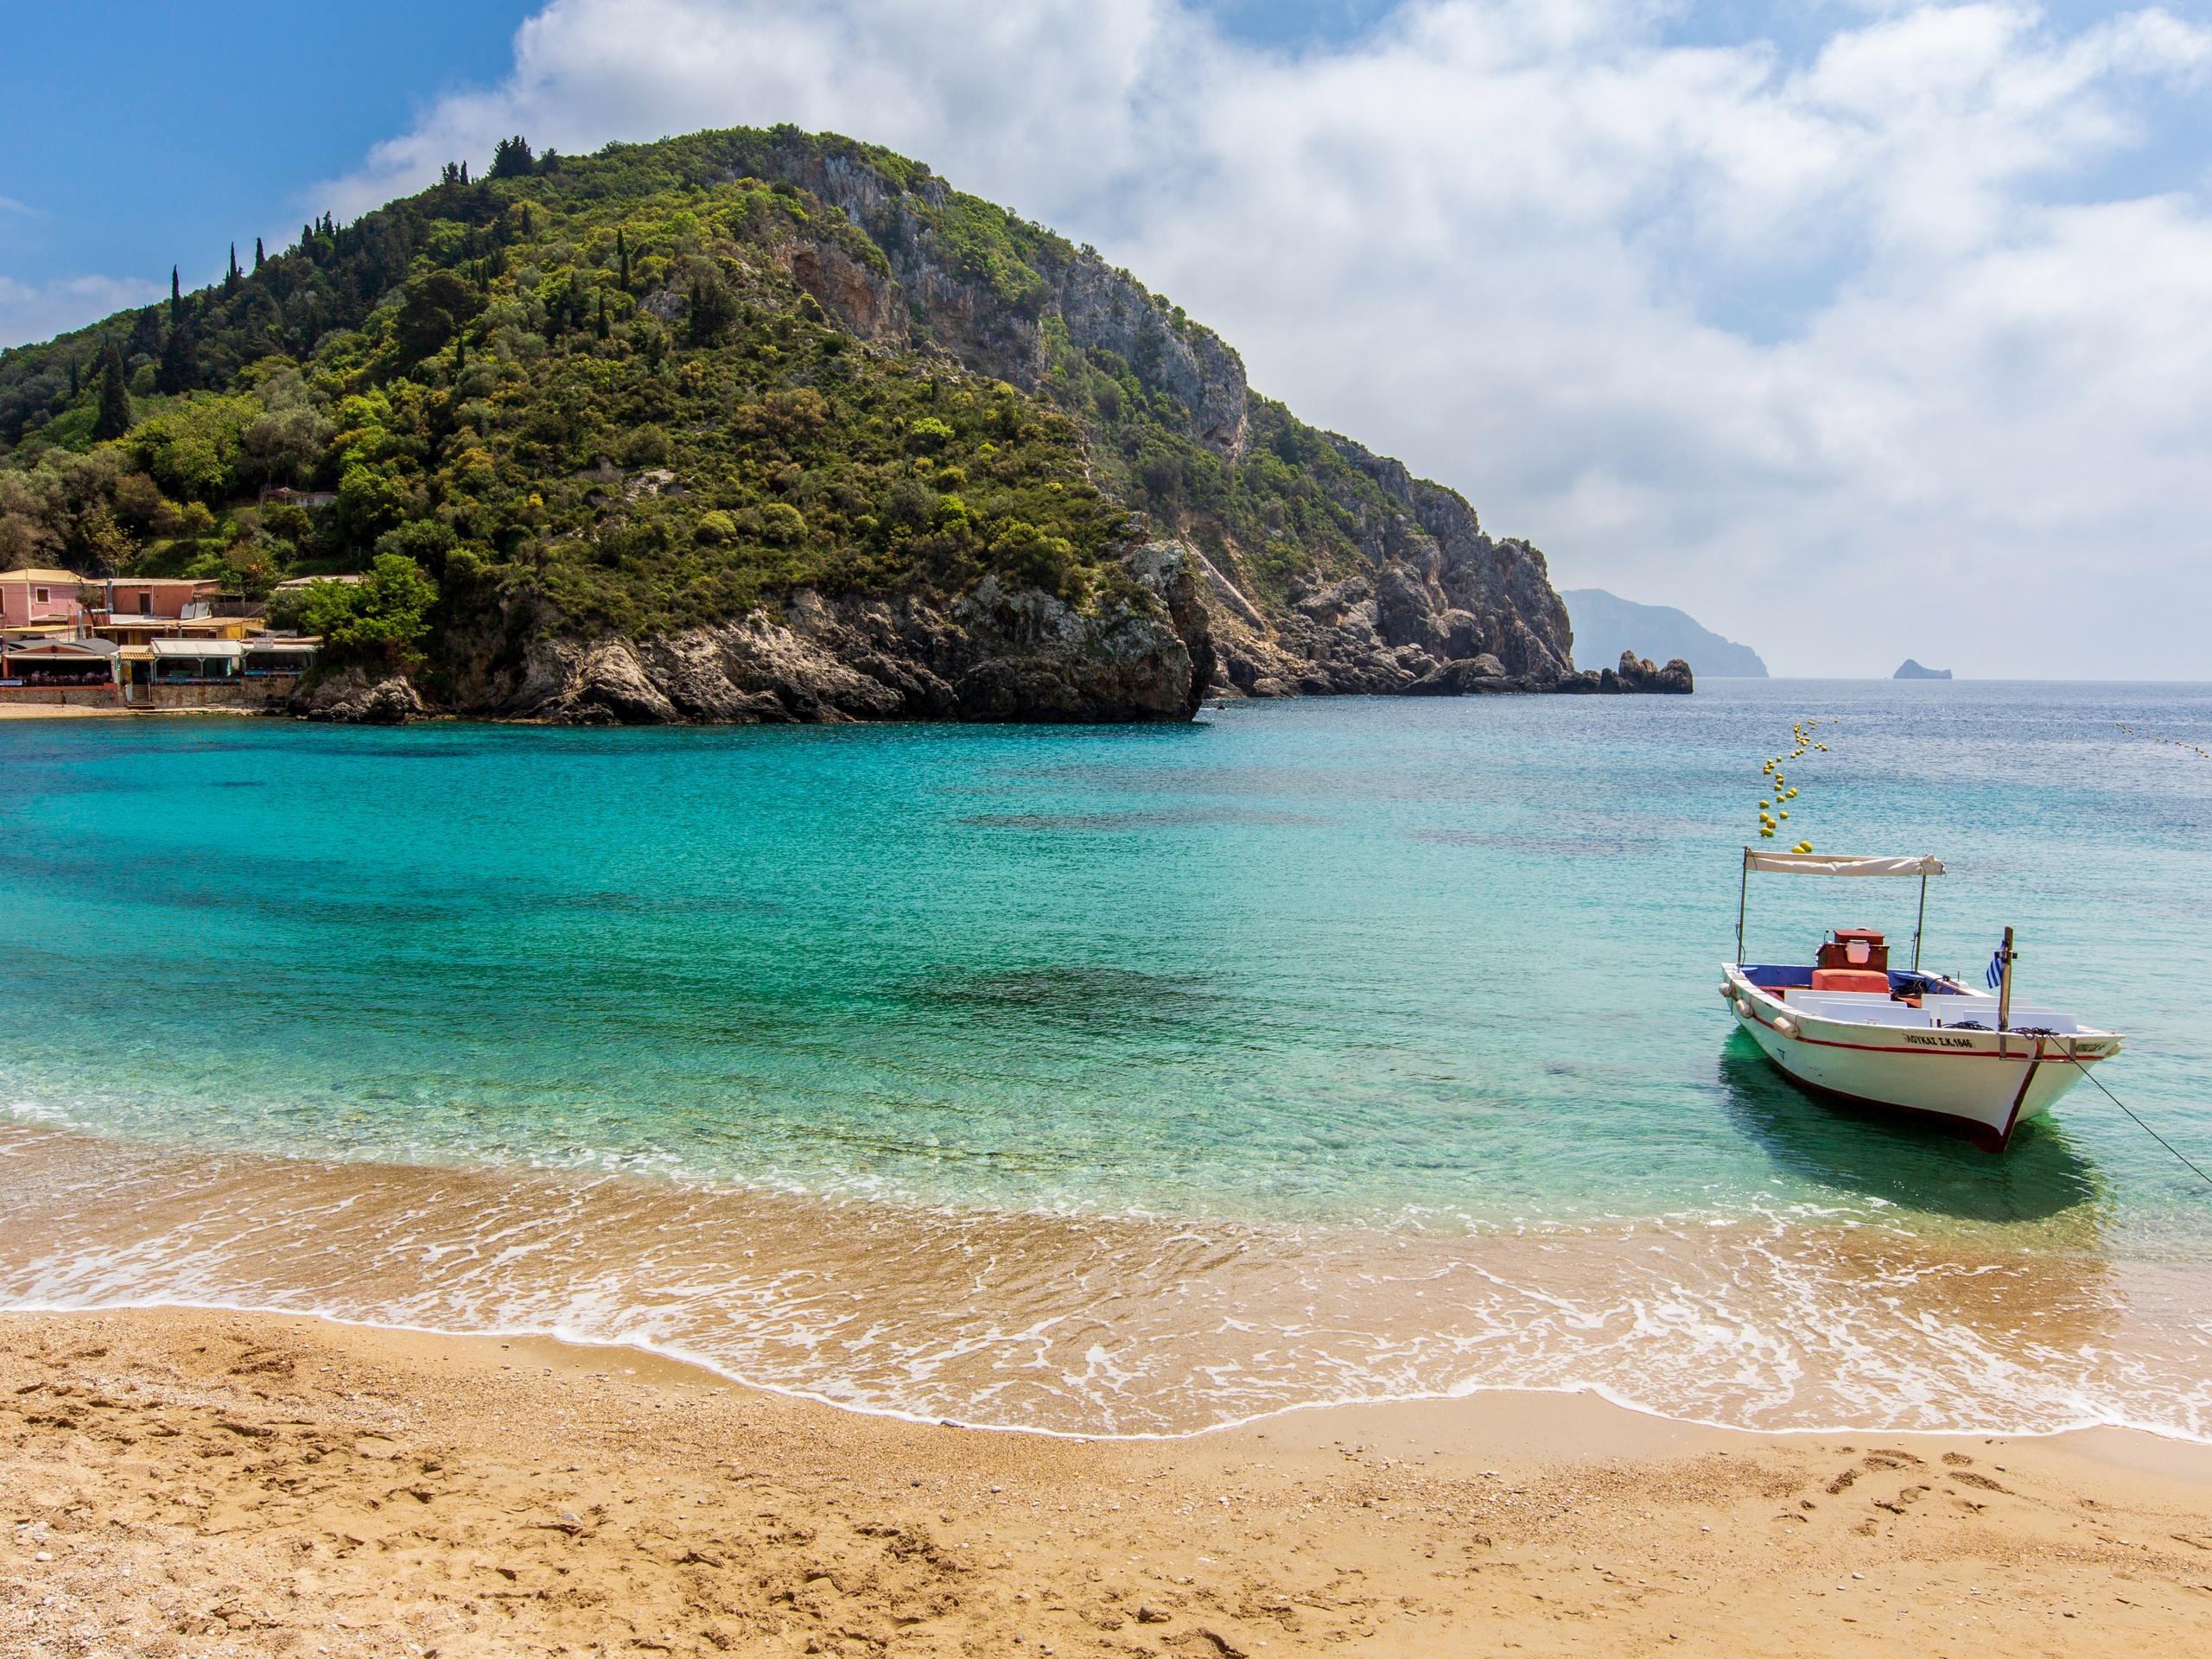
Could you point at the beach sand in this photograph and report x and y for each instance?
(207, 1483)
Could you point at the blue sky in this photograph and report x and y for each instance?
(1708, 301)
(142, 135)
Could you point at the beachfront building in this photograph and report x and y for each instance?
(58, 660)
(40, 598)
(58, 667)
(199, 671)
(173, 599)
(273, 655)
(194, 662)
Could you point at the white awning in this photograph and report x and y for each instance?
(1838, 864)
(210, 648)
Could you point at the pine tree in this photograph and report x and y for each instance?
(115, 398)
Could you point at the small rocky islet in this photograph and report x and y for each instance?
(747, 426)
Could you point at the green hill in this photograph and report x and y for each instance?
(745, 425)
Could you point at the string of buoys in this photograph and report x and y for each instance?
(2153, 737)
(1773, 813)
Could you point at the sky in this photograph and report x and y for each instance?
(1858, 330)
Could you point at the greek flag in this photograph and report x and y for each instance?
(1996, 975)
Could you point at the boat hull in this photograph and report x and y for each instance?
(1983, 1083)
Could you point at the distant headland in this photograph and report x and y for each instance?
(1605, 625)
(1912, 671)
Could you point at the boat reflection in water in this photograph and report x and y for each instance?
(2046, 1177)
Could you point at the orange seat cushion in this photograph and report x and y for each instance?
(1850, 979)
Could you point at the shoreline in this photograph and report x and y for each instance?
(1623, 1426)
(204, 1483)
(1089, 1326)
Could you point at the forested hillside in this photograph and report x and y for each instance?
(747, 424)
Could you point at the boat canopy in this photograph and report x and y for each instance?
(1837, 864)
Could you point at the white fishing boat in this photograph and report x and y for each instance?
(1851, 1026)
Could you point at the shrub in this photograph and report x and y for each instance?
(782, 523)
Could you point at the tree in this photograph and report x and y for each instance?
(230, 277)
(177, 300)
(258, 257)
(176, 371)
(145, 332)
(622, 254)
(115, 398)
(437, 304)
(193, 449)
(711, 310)
(381, 620)
(512, 159)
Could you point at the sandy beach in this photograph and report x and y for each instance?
(188, 1483)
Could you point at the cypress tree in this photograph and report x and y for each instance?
(464, 172)
(604, 331)
(115, 398)
(622, 253)
(177, 300)
(145, 332)
(231, 277)
(175, 373)
(75, 388)
(257, 254)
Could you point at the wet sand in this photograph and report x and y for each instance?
(186, 1483)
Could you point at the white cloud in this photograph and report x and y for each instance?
(27, 312)
(1507, 241)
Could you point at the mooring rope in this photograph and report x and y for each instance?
(2140, 1124)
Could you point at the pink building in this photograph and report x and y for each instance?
(30, 598)
(169, 597)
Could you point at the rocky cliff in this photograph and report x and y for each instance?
(990, 654)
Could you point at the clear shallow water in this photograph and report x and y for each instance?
(1333, 986)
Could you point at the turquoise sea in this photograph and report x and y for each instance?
(1120, 1079)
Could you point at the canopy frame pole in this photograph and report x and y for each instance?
(2005, 985)
(1743, 899)
(1920, 926)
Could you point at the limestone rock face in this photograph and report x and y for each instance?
(1431, 588)
(1101, 308)
(349, 698)
(1143, 652)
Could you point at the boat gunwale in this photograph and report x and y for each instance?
(1981, 1044)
